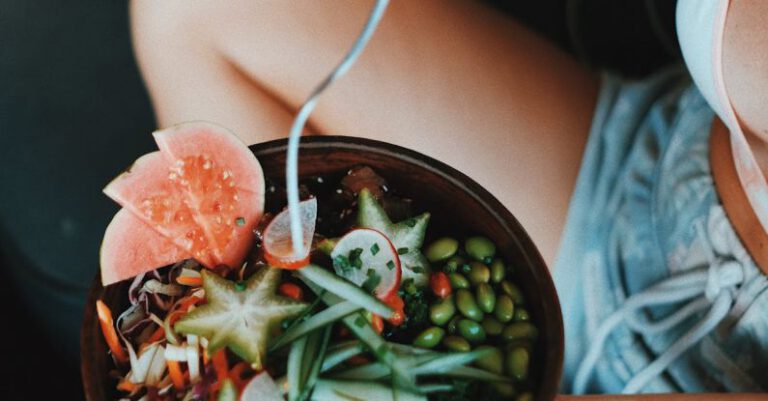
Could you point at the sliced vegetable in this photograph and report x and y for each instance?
(240, 316)
(108, 329)
(174, 370)
(407, 236)
(340, 352)
(367, 258)
(440, 284)
(358, 324)
(278, 247)
(228, 391)
(140, 364)
(344, 289)
(156, 368)
(313, 359)
(321, 319)
(291, 290)
(220, 366)
(348, 390)
(295, 359)
(261, 388)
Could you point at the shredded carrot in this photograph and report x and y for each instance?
(378, 323)
(236, 374)
(108, 329)
(190, 281)
(206, 356)
(126, 385)
(185, 303)
(158, 335)
(174, 370)
(291, 290)
(221, 367)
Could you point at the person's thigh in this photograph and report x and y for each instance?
(449, 78)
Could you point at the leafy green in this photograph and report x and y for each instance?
(372, 281)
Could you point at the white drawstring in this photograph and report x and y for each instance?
(712, 287)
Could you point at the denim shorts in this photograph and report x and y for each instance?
(658, 293)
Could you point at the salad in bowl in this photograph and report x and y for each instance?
(410, 282)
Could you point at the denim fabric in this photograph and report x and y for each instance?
(645, 184)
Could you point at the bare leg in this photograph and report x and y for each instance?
(449, 78)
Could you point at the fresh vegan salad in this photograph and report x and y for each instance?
(222, 306)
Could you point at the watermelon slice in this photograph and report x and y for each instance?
(222, 183)
(130, 246)
(203, 193)
(153, 198)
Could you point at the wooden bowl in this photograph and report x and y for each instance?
(453, 199)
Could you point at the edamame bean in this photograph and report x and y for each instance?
(517, 361)
(471, 330)
(486, 298)
(456, 343)
(492, 326)
(519, 331)
(480, 247)
(513, 291)
(453, 264)
(453, 324)
(504, 309)
(519, 343)
(429, 338)
(442, 311)
(441, 249)
(458, 281)
(478, 273)
(465, 301)
(497, 270)
(521, 315)
(492, 361)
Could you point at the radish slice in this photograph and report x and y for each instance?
(261, 388)
(278, 248)
(367, 258)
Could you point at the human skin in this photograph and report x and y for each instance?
(449, 78)
(745, 70)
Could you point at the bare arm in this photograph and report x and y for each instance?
(449, 78)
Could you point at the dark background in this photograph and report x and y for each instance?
(74, 113)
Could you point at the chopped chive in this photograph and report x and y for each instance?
(354, 258)
(240, 221)
(390, 265)
(372, 281)
(342, 263)
(418, 269)
(410, 223)
(240, 286)
(402, 251)
(360, 321)
(374, 248)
